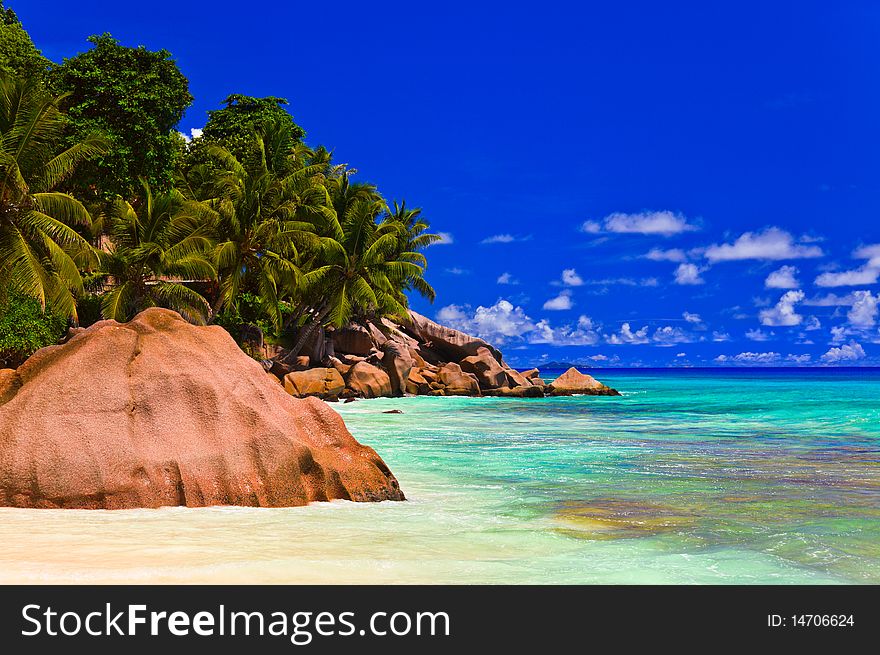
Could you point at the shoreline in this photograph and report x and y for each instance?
(528, 513)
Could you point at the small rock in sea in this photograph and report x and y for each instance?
(392, 411)
(349, 400)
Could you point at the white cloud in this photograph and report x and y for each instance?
(692, 318)
(627, 336)
(194, 133)
(849, 352)
(681, 354)
(838, 334)
(668, 336)
(506, 278)
(720, 336)
(798, 359)
(759, 335)
(570, 278)
(455, 270)
(771, 244)
(783, 313)
(782, 278)
(664, 223)
(504, 238)
(561, 302)
(812, 323)
(498, 323)
(750, 358)
(672, 255)
(445, 239)
(863, 312)
(830, 300)
(584, 333)
(869, 252)
(851, 278)
(688, 274)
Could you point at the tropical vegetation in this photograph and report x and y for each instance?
(105, 209)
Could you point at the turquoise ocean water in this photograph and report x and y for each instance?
(690, 476)
(733, 476)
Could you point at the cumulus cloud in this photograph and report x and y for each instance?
(863, 313)
(692, 318)
(759, 335)
(849, 352)
(720, 336)
(583, 333)
(783, 314)
(497, 323)
(770, 244)
(688, 274)
(672, 255)
(851, 278)
(627, 336)
(813, 323)
(194, 133)
(798, 359)
(506, 278)
(561, 302)
(750, 358)
(570, 278)
(869, 252)
(830, 300)
(838, 334)
(783, 278)
(504, 238)
(663, 223)
(668, 336)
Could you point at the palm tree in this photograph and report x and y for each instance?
(266, 212)
(41, 252)
(415, 238)
(361, 271)
(155, 246)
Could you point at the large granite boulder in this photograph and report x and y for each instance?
(368, 381)
(490, 374)
(354, 340)
(457, 382)
(451, 344)
(574, 382)
(398, 362)
(417, 383)
(318, 382)
(160, 412)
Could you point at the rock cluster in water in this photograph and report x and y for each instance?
(159, 412)
(418, 357)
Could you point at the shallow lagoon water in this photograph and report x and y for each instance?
(690, 477)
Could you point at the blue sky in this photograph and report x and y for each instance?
(629, 183)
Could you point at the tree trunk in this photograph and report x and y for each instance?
(306, 332)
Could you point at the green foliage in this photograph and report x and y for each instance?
(41, 252)
(25, 328)
(234, 126)
(136, 97)
(88, 309)
(264, 218)
(157, 245)
(18, 55)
